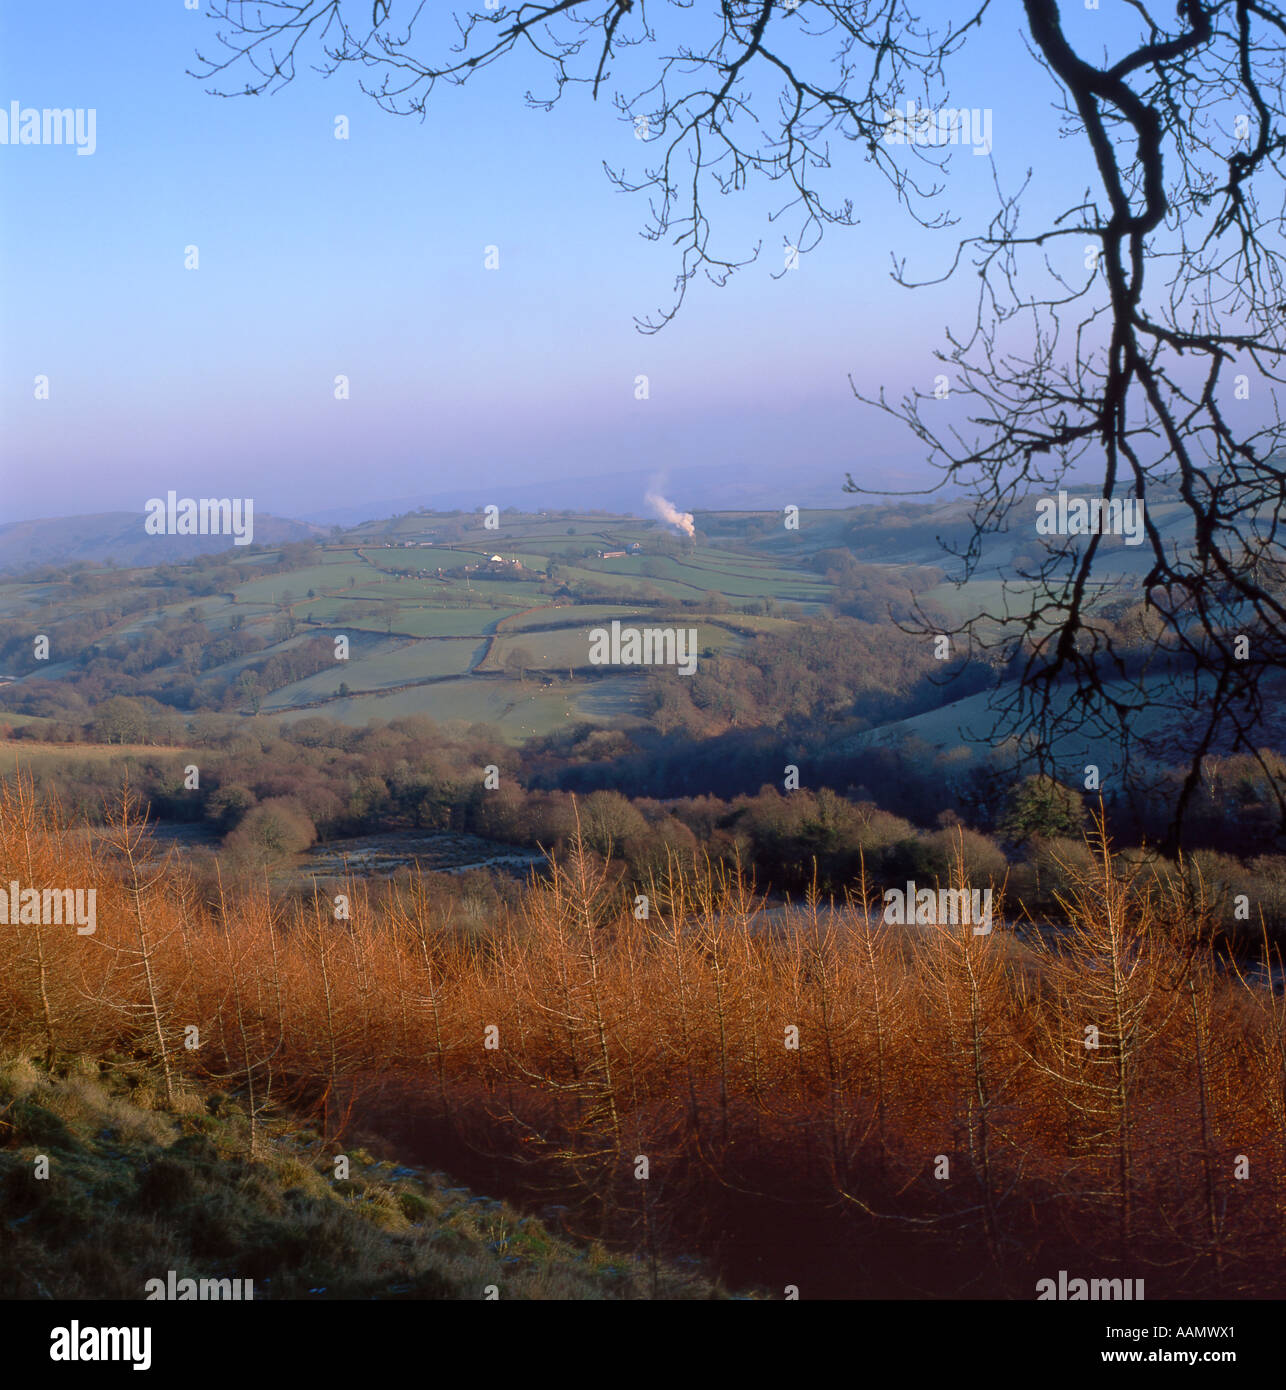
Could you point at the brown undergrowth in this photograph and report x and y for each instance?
(809, 1097)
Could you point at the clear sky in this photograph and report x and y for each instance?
(366, 257)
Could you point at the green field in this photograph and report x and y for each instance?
(429, 622)
(395, 666)
(568, 648)
(296, 583)
(561, 650)
(401, 589)
(627, 583)
(408, 633)
(580, 614)
(520, 711)
(970, 724)
(994, 597)
(444, 647)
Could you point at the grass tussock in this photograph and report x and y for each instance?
(133, 1192)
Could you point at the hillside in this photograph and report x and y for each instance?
(119, 538)
(775, 1092)
(806, 650)
(136, 1190)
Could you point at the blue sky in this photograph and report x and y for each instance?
(365, 257)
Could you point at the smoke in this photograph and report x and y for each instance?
(667, 511)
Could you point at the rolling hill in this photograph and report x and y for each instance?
(119, 538)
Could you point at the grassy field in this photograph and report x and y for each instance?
(296, 583)
(398, 665)
(569, 648)
(414, 620)
(406, 630)
(585, 614)
(970, 723)
(521, 710)
(996, 598)
(22, 721)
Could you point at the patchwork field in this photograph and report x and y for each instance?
(519, 711)
(396, 666)
(492, 640)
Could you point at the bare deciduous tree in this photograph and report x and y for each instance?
(1109, 339)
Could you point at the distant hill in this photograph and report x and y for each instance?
(120, 536)
(729, 487)
(917, 533)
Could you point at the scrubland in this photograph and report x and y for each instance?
(803, 1097)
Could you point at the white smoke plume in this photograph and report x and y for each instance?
(667, 511)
